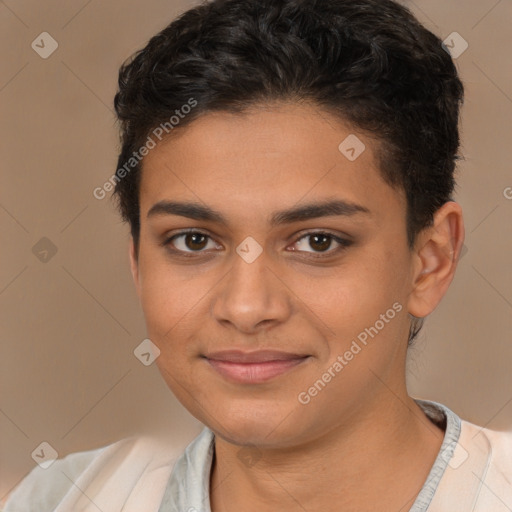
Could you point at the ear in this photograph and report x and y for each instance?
(436, 255)
(134, 266)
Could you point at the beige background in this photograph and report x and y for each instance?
(70, 325)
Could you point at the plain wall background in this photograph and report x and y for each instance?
(70, 324)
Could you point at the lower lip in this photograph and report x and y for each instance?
(254, 373)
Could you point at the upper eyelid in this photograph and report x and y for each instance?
(170, 238)
(297, 237)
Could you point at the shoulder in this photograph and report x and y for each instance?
(119, 464)
(42, 489)
(497, 444)
(488, 454)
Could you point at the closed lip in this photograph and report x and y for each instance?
(260, 356)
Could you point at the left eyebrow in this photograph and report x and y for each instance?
(308, 211)
(317, 210)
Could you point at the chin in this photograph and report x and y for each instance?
(257, 426)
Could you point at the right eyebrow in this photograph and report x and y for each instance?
(308, 211)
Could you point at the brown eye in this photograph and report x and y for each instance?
(195, 241)
(190, 241)
(320, 242)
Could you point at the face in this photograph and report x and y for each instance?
(274, 273)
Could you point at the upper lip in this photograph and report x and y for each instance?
(260, 356)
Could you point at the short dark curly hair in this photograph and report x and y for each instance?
(369, 62)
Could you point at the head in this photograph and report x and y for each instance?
(274, 120)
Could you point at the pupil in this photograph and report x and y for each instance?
(195, 241)
(323, 245)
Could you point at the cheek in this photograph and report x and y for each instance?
(159, 303)
(164, 296)
(175, 304)
(350, 301)
(350, 293)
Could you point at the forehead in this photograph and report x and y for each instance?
(265, 159)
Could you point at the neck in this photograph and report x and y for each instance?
(380, 463)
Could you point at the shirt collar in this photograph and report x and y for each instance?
(439, 414)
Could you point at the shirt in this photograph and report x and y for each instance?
(472, 472)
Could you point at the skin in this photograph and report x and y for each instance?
(361, 443)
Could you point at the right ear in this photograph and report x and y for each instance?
(134, 266)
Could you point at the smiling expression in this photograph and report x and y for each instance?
(264, 253)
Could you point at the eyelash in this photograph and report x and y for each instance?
(343, 244)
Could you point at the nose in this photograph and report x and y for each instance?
(252, 298)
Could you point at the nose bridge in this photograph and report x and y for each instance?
(251, 294)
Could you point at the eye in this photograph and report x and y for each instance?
(317, 244)
(321, 242)
(190, 241)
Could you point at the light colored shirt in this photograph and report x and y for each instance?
(472, 472)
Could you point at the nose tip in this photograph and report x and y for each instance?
(251, 297)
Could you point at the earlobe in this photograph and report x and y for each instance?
(437, 251)
(134, 265)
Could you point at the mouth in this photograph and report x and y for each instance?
(253, 367)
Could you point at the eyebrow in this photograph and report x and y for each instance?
(308, 211)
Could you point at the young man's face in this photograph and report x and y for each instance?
(308, 297)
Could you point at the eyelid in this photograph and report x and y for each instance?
(168, 239)
(343, 241)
